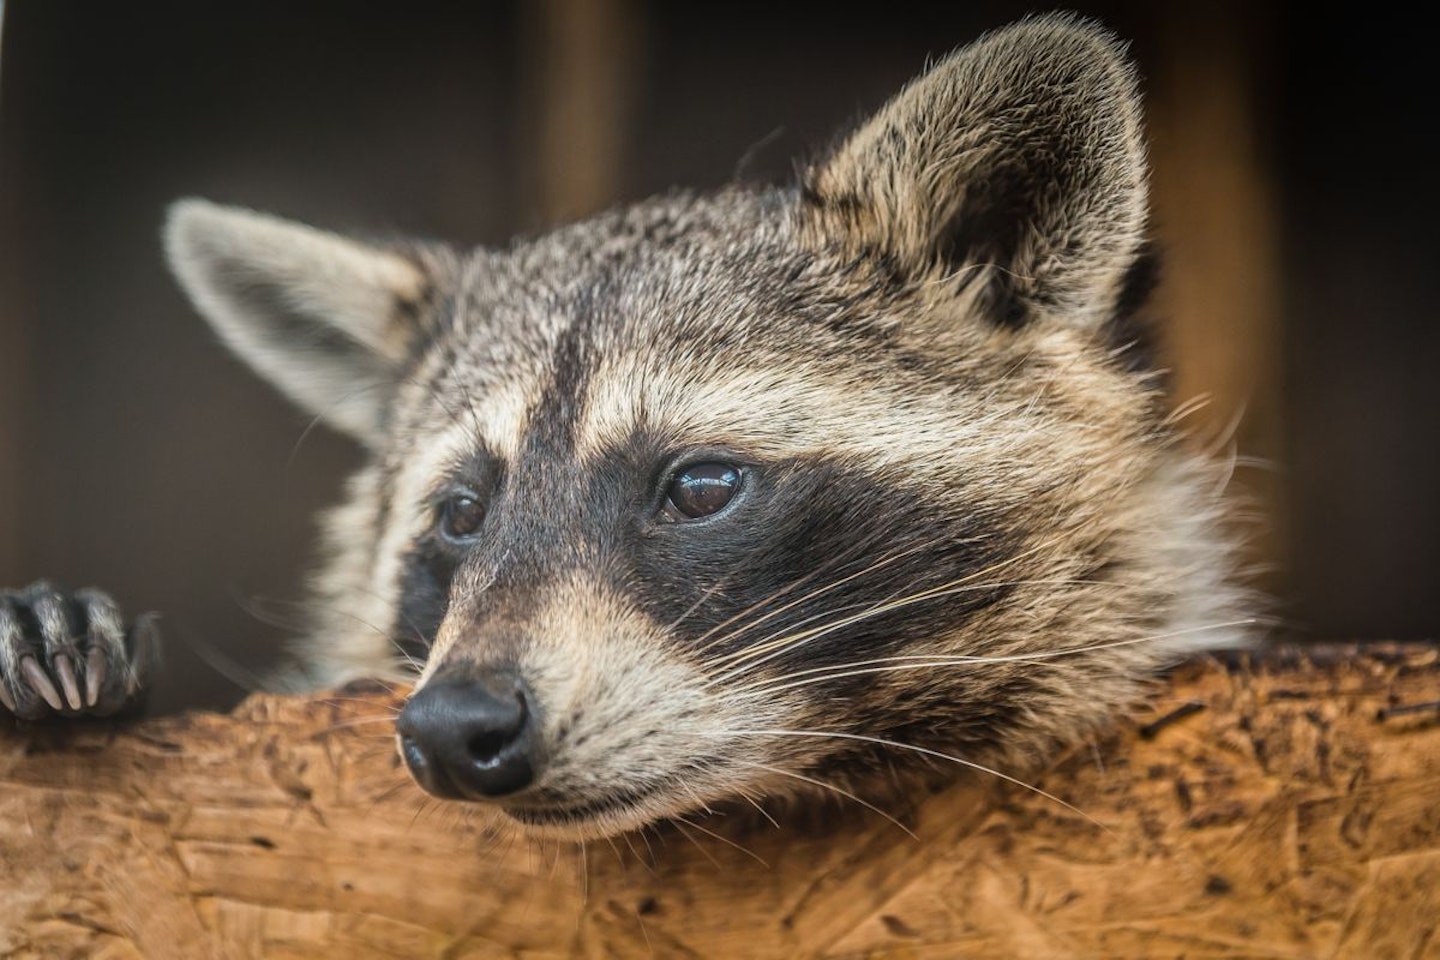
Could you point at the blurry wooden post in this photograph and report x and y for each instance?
(1217, 221)
(12, 346)
(579, 64)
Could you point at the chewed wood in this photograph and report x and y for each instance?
(1284, 808)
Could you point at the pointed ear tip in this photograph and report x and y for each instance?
(195, 226)
(188, 209)
(1079, 27)
(1067, 34)
(183, 218)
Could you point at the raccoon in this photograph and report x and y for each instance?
(773, 490)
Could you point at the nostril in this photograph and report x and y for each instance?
(487, 746)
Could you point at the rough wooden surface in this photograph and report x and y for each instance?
(1290, 809)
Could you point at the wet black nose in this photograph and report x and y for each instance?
(472, 737)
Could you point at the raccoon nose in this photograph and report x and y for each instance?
(473, 737)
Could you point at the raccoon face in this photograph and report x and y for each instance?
(782, 489)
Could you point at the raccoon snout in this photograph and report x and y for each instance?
(473, 737)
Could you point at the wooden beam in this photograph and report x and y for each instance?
(1286, 808)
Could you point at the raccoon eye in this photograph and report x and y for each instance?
(700, 490)
(461, 516)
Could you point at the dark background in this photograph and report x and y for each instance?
(1294, 173)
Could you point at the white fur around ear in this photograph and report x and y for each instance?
(1023, 151)
(327, 319)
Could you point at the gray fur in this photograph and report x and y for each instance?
(966, 518)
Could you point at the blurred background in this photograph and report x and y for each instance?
(1294, 198)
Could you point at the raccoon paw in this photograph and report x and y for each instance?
(70, 654)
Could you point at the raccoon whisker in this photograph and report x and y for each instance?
(685, 785)
(644, 835)
(500, 838)
(771, 598)
(322, 417)
(475, 431)
(827, 786)
(467, 814)
(335, 700)
(223, 664)
(400, 784)
(751, 799)
(788, 640)
(255, 609)
(813, 595)
(409, 623)
(742, 166)
(357, 722)
(410, 661)
(491, 833)
(640, 922)
(680, 823)
(761, 691)
(619, 857)
(584, 872)
(881, 741)
(635, 853)
(966, 273)
(725, 840)
(425, 804)
(798, 600)
(991, 265)
(781, 643)
(386, 712)
(542, 850)
(918, 661)
(413, 663)
(752, 657)
(714, 588)
(781, 638)
(389, 686)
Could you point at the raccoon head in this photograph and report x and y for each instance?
(716, 496)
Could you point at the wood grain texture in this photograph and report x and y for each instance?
(1284, 808)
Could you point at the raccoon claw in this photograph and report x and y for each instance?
(40, 683)
(69, 654)
(67, 681)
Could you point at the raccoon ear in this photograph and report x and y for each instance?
(1023, 151)
(327, 319)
